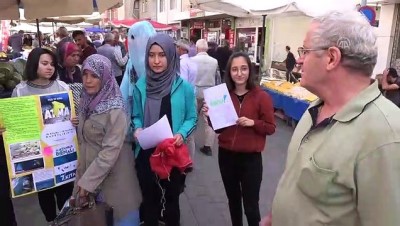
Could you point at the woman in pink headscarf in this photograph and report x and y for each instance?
(68, 56)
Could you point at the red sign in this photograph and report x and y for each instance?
(4, 35)
(231, 38)
(198, 25)
(196, 13)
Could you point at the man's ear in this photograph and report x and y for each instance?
(335, 56)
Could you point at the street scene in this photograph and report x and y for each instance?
(199, 112)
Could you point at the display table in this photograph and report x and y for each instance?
(292, 107)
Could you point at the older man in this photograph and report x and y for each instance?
(63, 34)
(108, 50)
(343, 160)
(208, 75)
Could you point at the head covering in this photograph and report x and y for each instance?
(158, 85)
(66, 50)
(109, 97)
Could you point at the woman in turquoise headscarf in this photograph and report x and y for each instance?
(162, 92)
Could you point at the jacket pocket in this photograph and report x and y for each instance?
(316, 182)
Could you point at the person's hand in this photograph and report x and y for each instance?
(243, 121)
(204, 109)
(136, 133)
(266, 221)
(75, 121)
(178, 140)
(82, 192)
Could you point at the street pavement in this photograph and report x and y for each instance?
(204, 202)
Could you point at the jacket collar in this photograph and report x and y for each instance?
(357, 105)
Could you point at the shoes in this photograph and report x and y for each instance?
(206, 150)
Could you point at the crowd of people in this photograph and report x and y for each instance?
(342, 161)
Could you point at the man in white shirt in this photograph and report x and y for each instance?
(188, 72)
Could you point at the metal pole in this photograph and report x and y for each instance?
(38, 33)
(262, 45)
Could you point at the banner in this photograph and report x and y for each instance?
(40, 141)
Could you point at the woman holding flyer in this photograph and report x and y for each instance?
(162, 92)
(240, 146)
(106, 166)
(41, 75)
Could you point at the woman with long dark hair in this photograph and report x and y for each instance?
(240, 146)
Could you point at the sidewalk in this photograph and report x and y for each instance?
(204, 202)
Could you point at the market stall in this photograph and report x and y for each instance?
(289, 99)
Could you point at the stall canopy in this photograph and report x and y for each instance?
(235, 8)
(34, 9)
(129, 22)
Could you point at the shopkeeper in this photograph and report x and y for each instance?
(391, 85)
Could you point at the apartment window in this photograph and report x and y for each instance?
(162, 5)
(172, 4)
(136, 4)
(144, 6)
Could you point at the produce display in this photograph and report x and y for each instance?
(289, 89)
(11, 73)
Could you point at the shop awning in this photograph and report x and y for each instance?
(34, 9)
(234, 8)
(129, 22)
(248, 8)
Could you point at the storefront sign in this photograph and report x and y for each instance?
(198, 25)
(196, 13)
(248, 22)
(231, 38)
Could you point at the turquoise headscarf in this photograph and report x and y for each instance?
(138, 36)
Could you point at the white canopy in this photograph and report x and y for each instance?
(36, 9)
(243, 8)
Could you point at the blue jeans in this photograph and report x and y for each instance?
(131, 219)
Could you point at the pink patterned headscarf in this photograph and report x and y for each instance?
(109, 97)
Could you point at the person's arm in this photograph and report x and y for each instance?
(265, 125)
(113, 140)
(190, 115)
(184, 70)
(386, 85)
(118, 56)
(378, 186)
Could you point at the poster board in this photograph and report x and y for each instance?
(40, 141)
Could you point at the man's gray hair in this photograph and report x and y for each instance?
(202, 45)
(109, 37)
(351, 32)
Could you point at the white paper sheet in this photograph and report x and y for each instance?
(155, 134)
(221, 111)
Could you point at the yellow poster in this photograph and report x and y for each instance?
(40, 141)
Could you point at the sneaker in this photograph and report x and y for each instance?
(206, 150)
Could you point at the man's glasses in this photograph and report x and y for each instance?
(303, 52)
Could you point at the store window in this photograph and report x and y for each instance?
(162, 5)
(144, 6)
(172, 4)
(136, 4)
(246, 41)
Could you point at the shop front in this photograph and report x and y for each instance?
(248, 37)
(213, 28)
